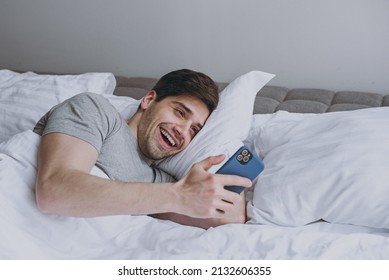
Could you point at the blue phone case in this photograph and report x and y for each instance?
(243, 163)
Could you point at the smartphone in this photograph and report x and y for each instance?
(243, 163)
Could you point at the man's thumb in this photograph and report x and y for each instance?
(210, 161)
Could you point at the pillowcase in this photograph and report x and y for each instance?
(26, 97)
(226, 127)
(20, 153)
(331, 166)
(125, 105)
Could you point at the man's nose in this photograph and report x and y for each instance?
(183, 128)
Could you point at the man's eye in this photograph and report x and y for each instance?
(195, 130)
(180, 112)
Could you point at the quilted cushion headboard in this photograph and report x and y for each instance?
(273, 98)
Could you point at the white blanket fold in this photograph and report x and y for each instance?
(26, 233)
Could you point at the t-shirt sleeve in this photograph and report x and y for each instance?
(86, 116)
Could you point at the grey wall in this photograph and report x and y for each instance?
(334, 44)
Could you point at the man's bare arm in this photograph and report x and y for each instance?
(64, 186)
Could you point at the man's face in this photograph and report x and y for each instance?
(166, 127)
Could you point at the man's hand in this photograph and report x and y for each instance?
(202, 194)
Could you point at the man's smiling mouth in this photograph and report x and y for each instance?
(167, 138)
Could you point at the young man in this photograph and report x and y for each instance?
(86, 130)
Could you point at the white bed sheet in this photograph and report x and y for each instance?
(26, 233)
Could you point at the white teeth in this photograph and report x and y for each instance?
(168, 137)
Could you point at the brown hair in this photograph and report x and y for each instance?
(188, 82)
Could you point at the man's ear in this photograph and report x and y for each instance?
(148, 99)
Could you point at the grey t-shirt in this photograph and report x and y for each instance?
(91, 118)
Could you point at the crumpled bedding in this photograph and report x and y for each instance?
(26, 233)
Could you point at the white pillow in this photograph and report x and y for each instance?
(331, 166)
(26, 97)
(125, 105)
(20, 152)
(226, 127)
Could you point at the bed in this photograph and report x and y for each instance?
(323, 193)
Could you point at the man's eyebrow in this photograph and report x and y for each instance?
(186, 108)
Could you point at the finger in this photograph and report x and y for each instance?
(210, 161)
(234, 180)
(224, 206)
(231, 198)
(219, 214)
(221, 208)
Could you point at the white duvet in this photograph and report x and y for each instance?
(330, 167)
(26, 233)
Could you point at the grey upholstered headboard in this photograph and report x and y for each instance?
(273, 98)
